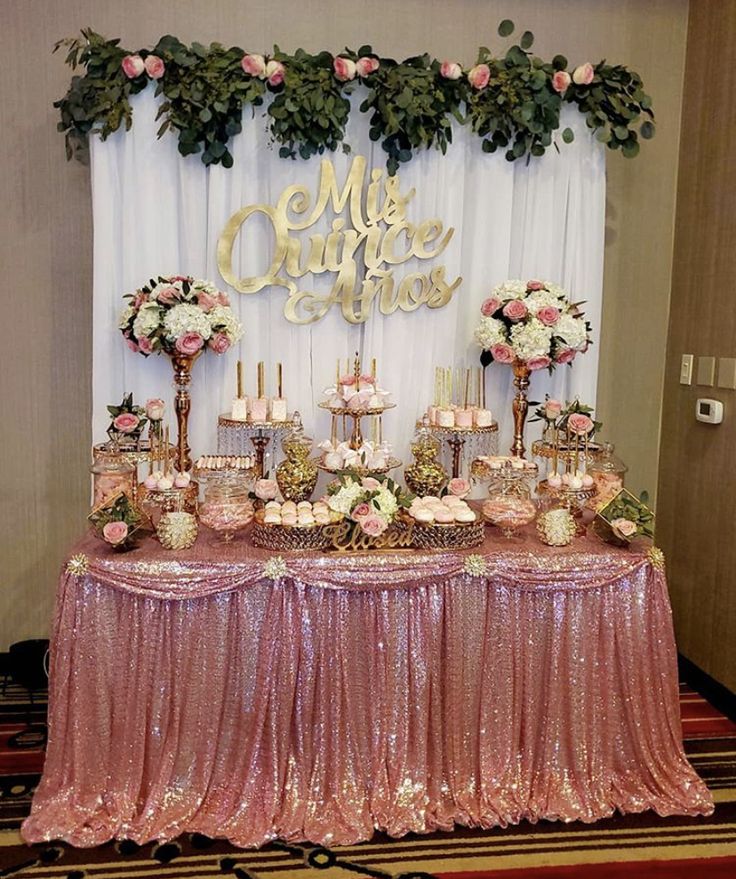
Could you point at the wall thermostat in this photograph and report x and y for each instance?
(709, 411)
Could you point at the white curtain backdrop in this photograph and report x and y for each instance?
(158, 213)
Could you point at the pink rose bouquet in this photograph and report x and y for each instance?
(458, 487)
(117, 521)
(372, 504)
(128, 421)
(179, 315)
(625, 517)
(533, 323)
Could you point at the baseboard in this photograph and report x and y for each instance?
(720, 697)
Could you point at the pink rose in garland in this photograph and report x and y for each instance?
(155, 67)
(515, 310)
(490, 306)
(275, 72)
(360, 512)
(254, 65)
(115, 533)
(549, 315)
(367, 65)
(561, 81)
(345, 68)
(479, 76)
(584, 74)
(451, 70)
(219, 343)
(133, 66)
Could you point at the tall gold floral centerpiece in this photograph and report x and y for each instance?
(179, 316)
(530, 326)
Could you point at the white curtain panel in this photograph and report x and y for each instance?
(158, 213)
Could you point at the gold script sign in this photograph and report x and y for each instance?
(362, 253)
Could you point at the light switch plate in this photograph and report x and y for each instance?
(706, 371)
(686, 369)
(727, 372)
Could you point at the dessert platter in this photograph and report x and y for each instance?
(448, 522)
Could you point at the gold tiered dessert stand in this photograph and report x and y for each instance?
(456, 438)
(260, 433)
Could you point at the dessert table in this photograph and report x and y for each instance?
(325, 696)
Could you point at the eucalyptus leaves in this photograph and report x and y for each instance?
(512, 101)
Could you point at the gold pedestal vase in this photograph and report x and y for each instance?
(182, 364)
(520, 407)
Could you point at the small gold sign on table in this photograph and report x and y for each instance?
(347, 536)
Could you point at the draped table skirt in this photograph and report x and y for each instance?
(332, 696)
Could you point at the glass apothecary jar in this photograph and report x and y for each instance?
(111, 475)
(297, 475)
(425, 475)
(608, 472)
(510, 505)
(226, 507)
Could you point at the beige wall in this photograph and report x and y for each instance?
(697, 475)
(45, 228)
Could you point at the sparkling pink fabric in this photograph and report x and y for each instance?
(395, 692)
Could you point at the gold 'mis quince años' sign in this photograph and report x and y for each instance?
(362, 253)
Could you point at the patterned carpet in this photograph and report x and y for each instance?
(623, 847)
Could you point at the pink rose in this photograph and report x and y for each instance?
(345, 68)
(451, 70)
(205, 301)
(541, 362)
(515, 310)
(367, 65)
(126, 422)
(139, 299)
(347, 380)
(458, 487)
(566, 355)
(189, 343)
(490, 306)
(219, 343)
(552, 409)
(145, 346)
(624, 527)
(370, 484)
(560, 81)
(479, 75)
(502, 353)
(373, 525)
(132, 345)
(154, 67)
(115, 532)
(223, 299)
(133, 66)
(549, 315)
(155, 408)
(169, 295)
(266, 489)
(534, 285)
(360, 512)
(579, 423)
(275, 72)
(584, 74)
(254, 65)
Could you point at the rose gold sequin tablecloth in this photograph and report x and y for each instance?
(400, 692)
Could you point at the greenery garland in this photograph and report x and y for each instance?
(511, 102)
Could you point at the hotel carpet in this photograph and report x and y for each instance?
(622, 847)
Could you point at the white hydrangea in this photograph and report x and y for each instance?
(187, 318)
(489, 332)
(556, 290)
(125, 316)
(572, 330)
(531, 339)
(512, 289)
(345, 499)
(147, 321)
(540, 298)
(386, 504)
(223, 320)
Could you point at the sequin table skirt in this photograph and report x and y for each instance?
(322, 698)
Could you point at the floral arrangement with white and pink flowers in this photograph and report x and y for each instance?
(118, 522)
(625, 517)
(128, 421)
(179, 315)
(372, 503)
(534, 323)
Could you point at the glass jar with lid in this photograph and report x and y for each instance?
(226, 507)
(297, 475)
(425, 475)
(111, 474)
(608, 472)
(510, 505)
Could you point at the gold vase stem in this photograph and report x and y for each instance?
(520, 407)
(182, 364)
